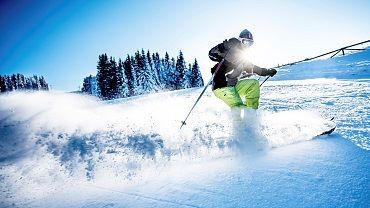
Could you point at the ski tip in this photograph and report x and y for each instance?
(328, 132)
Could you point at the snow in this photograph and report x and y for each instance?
(350, 66)
(70, 150)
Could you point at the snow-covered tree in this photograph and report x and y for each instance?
(130, 75)
(138, 65)
(43, 84)
(145, 77)
(180, 71)
(28, 83)
(103, 76)
(158, 67)
(3, 86)
(186, 83)
(86, 85)
(196, 76)
(153, 71)
(21, 81)
(90, 86)
(9, 84)
(168, 72)
(14, 81)
(122, 90)
(35, 82)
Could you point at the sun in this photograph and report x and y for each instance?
(246, 54)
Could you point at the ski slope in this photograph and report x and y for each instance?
(70, 150)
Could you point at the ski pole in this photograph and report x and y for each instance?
(265, 80)
(201, 94)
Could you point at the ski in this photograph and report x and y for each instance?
(328, 132)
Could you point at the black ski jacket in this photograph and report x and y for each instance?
(234, 64)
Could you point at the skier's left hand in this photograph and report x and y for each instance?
(271, 72)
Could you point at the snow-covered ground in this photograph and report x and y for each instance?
(70, 150)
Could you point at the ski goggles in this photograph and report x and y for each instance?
(247, 42)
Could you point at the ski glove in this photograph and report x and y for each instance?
(268, 72)
(271, 72)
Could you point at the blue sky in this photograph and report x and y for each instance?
(63, 39)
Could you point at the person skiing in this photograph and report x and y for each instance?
(231, 83)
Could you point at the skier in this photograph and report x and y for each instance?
(229, 83)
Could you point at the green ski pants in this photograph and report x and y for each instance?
(248, 89)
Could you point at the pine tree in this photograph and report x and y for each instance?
(114, 79)
(28, 83)
(9, 84)
(43, 84)
(180, 71)
(158, 67)
(35, 82)
(135, 75)
(187, 77)
(168, 76)
(130, 75)
(149, 60)
(95, 90)
(153, 71)
(145, 77)
(173, 74)
(90, 86)
(196, 78)
(170, 73)
(2, 84)
(122, 89)
(86, 85)
(139, 68)
(14, 81)
(21, 81)
(103, 76)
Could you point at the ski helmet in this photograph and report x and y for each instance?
(246, 38)
(246, 34)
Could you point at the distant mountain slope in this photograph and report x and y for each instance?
(351, 66)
